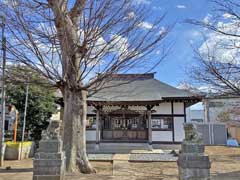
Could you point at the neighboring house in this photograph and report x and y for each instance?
(222, 108)
(195, 113)
(11, 121)
(212, 132)
(137, 108)
(10, 114)
(215, 109)
(10, 118)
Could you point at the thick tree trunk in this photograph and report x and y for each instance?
(75, 112)
(82, 159)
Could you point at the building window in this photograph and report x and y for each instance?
(162, 123)
(128, 123)
(6, 128)
(91, 122)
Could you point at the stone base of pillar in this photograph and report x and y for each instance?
(48, 164)
(150, 148)
(3, 154)
(192, 163)
(96, 146)
(49, 161)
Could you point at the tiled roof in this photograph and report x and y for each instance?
(137, 87)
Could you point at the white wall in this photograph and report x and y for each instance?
(91, 135)
(162, 136)
(178, 129)
(178, 108)
(163, 108)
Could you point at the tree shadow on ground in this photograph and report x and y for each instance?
(226, 176)
(16, 170)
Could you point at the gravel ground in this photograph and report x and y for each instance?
(225, 166)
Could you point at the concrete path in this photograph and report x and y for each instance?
(156, 155)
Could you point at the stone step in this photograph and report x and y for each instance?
(116, 147)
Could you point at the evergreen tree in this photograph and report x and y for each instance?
(40, 107)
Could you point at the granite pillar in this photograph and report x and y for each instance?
(49, 161)
(193, 164)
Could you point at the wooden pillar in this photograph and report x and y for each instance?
(149, 116)
(185, 114)
(149, 127)
(172, 112)
(97, 126)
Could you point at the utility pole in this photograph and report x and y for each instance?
(2, 124)
(24, 118)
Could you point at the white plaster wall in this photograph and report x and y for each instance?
(188, 114)
(178, 108)
(162, 136)
(90, 135)
(178, 129)
(163, 108)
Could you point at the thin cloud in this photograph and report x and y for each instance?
(181, 6)
(157, 8)
(146, 25)
(227, 16)
(207, 19)
(138, 2)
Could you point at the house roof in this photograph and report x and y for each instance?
(221, 96)
(137, 88)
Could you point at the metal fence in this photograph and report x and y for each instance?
(213, 133)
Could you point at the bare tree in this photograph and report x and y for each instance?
(77, 45)
(218, 58)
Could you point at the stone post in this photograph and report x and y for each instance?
(193, 164)
(149, 127)
(97, 129)
(206, 110)
(49, 161)
(149, 120)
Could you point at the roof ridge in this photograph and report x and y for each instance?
(174, 87)
(132, 76)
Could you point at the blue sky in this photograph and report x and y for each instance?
(173, 69)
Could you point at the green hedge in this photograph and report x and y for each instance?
(18, 144)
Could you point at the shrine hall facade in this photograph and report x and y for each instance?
(137, 108)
